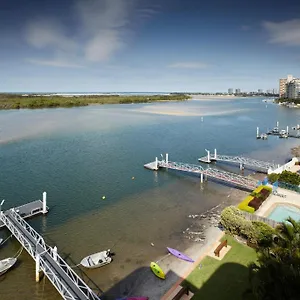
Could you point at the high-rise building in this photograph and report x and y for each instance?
(230, 91)
(237, 91)
(283, 85)
(293, 89)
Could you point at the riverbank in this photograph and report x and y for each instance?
(11, 101)
(202, 233)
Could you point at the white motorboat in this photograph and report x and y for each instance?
(6, 264)
(97, 260)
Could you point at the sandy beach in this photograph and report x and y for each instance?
(213, 97)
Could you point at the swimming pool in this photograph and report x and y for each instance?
(282, 212)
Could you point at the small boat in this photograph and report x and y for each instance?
(97, 260)
(156, 269)
(179, 254)
(6, 264)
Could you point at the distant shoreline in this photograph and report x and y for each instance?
(13, 101)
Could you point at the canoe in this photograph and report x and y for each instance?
(6, 264)
(97, 260)
(179, 254)
(156, 269)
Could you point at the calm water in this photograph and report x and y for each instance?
(282, 212)
(79, 155)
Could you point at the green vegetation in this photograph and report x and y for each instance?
(11, 101)
(235, 223)
(276, 275)
(285, 177)
(281, 100)
(226, 279)
(255, 199)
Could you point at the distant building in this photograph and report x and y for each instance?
(230, 91)
(260, 91)
(283, 85)
(293, 89)
(238, 91)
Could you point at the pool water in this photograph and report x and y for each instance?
(282, 212)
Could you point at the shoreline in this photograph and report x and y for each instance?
(202, 233)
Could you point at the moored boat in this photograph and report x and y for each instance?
(180, 255)
(97, 260)
(6, 264)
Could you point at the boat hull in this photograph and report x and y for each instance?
(156, 269)
(96, 260)
(180, 255)
(6, 264)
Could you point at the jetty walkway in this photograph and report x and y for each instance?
(227, 177)
(242, 162)
(64, 279)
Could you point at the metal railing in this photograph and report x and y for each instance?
(210, 172)
(45, 252)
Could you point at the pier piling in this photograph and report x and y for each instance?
(44, 203)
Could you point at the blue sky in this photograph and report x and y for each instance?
(147, 45)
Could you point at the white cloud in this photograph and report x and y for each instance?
(189, 65)
(54, 63)
(103, 28)
(286, 33)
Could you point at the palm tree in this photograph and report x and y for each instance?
(276, 275)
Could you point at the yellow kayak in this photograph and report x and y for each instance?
(156, 269)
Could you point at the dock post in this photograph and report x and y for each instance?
(44, 203)
(37, 268)
(257, 132)
(208, 156)
(156, 163)
(167, 158)
(287, 129)
(55, 253)
(201, 177)
(277, 124)
(215, 153)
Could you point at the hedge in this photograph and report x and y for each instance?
(244, 205)
(252, 202)
(256, 232)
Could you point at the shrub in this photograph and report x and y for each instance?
(235, 223)
(264, 233)
(244, 205)
(273, 177)
(289, 177)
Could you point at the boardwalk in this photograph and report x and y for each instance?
(64, 279)
(227, 177)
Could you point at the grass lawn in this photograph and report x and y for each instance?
(223, 279)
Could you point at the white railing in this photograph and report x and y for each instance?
(213, 173)
(44, 250)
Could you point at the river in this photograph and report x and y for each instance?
(78, 155)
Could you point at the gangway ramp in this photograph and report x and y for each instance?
(242, 162)
(223, 176)
(65, 280)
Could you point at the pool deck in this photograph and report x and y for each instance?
(292, 198)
